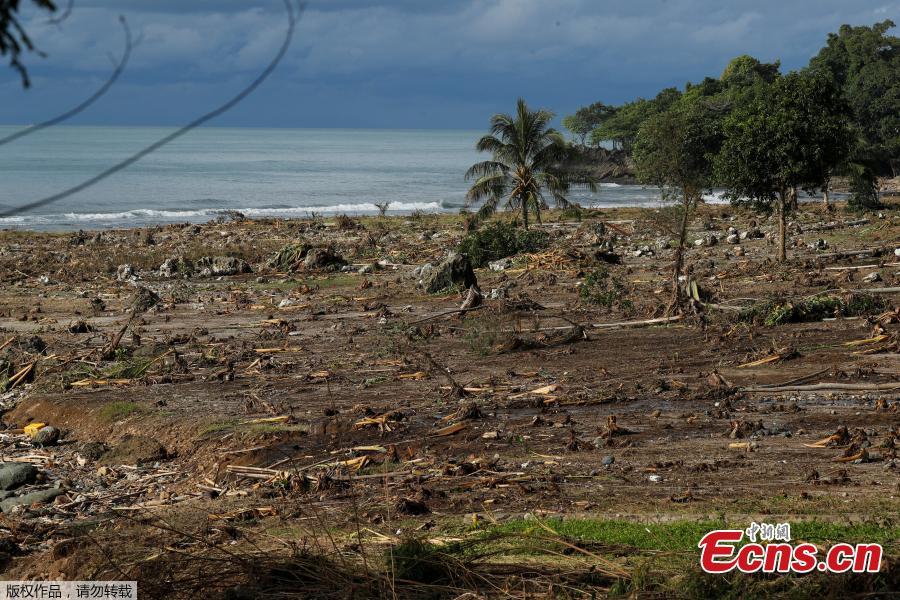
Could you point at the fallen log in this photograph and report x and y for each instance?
(819, 387)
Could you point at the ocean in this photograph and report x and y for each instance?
(259, 172)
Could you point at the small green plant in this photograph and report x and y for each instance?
(498, 240)
(605, 289)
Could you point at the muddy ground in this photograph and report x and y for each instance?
(325, 400)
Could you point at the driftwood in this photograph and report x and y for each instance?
(821, 387)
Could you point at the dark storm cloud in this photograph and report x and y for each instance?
(408, 63)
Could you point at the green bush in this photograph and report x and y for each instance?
(607, 290)
(815, 308)
(498, 240)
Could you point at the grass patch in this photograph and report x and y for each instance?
(120, 409)
(604, 289)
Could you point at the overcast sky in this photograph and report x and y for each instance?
(404, 63)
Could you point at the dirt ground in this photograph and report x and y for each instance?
(337, 391)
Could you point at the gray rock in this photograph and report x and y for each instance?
(176, 267)
(323, 258)
(455, 269)
(222, 266)
(872, 277)
(16, 474)
(125, 273)
(40, 497)
(46, 436)
(500, 265)
(733, 238)
(608, 460)
(366, 269)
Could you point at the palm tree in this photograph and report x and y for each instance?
(528, 159)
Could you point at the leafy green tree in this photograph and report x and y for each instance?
(790, 137)
(14, 39)
(864, 62)
(621, 128)
(675, 150)
(528, 158)
(587, 119)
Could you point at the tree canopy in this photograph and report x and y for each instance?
(792, 136)
(528, 159)
(587, 119)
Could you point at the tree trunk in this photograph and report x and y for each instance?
(679, 256)
(782, 226)
(525, 213)
(825, 198)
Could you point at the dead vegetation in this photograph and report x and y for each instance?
(327, 424)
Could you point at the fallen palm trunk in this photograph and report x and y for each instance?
(818, 387)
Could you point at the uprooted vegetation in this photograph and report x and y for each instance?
(813, 308)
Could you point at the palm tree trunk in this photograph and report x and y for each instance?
(525, 214)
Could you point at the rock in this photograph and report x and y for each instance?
(222, 266)
(91, 451)
(739, 251)
(498, 293)
(753, 233)
(733, 238)
(125, 273)
(323, 258)
(707, 240)
(46, 436)
(820, 245)
(643, 251)
(455, 269)
(144, 300)
(176, 267)
(79, 326)
(872, 277)
(500, 265)
(663, 243)
(732, 230)
(40, 497)
(366, 270)
(655, 478)
(608, 460)
(16, 474)
(897, 252)
(135, 450)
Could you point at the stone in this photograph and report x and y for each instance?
(366, 270)
(872, 277)
(323, 258)
(46, 436)
(40, 497)
(500, 265)
(176, 267)
(16, 474)
(125, 273)
(608, 460)
(733, 238)
(222, 266)
(739, 251)
(455, 269)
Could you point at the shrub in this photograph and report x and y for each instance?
(605, 289)
(815, 308)
(498, 240)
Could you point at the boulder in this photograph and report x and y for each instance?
(176, 267)
(16, 474)
(455, 269)
(46, 436)
(222, 266)
(323, 258)
(500, 265)
(40, 497)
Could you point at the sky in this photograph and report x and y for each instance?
(402, 63)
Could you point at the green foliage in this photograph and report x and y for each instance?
(587, 118)
(526, 159)
(498, 240)
(792, 136)
(675, 149)
(863, 188)
(422, 562)
(864, 62)
(605, 289)
(289, 256)
(815, 308)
